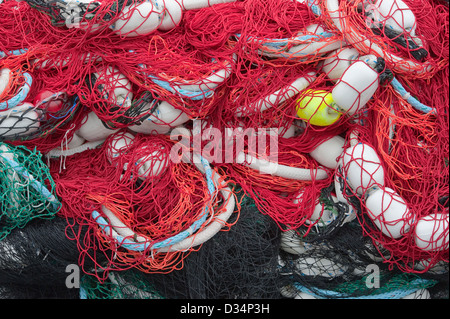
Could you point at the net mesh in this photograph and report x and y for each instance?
(148, 204)
(238, 263)
(337, 267)
(34, 261)
(27, 188)
(373, 73)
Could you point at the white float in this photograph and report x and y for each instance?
(145, 17)
(419, 294)
(114, 86)
(172, 16)
(355, 87)
(393, 14)
(319, 267)
(432, 233)
(21, 120)
(93, 128)
(362, 168)
(328, 152)
(151, 164)
(138, 19)
(321, 216)
(5, 76)
(118, 144)
(279, 96)
(338, 61)
(162, 120)
(362, 43)
(276, 169)
(291, 243)
(389, 212)
(75, 141)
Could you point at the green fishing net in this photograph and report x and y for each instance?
(129, 284)
(27, 190)
(387, 286)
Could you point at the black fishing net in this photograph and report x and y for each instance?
(239, 263)
(349, 266)
(38, 261)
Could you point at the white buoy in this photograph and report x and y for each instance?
(321, 216)
(389, 212)
(5, 75)
(173, 13)
(278, 97)
(319, 267)
(291, 243)
(304, 295)
(114, 86)
(291, 292)
(328, 152)
(394, 15)
(338, 61)
(74, 141)
(162, 120)
(153, 164)
(118, 143)
(362, 168)
(198, 4)
(138, 19)
(419, 294)
(432, 233)
(21, 120)
(289, 131)
(93, 128)
(355, 87)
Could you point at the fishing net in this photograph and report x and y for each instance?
(391, 30)
(27, 188)
(337, 162)
(128, 284)
(239, 263)
(409, 133)
(35, 261)
(140, 210)
(347, 265)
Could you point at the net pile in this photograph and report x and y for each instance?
(27, 189)
(246, 254)
(224, 148)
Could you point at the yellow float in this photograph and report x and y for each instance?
(318, 108)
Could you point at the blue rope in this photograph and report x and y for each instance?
(314, 8)
(131, 245)
(14, 52)
(410, 99)
(395, 294)
(83, 293)
(20, 96)
(68, 111)
(193, 95)
(33, 182)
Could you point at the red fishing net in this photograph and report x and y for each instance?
(339, 111)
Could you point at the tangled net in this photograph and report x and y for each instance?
(224, 148)
(27, 188)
